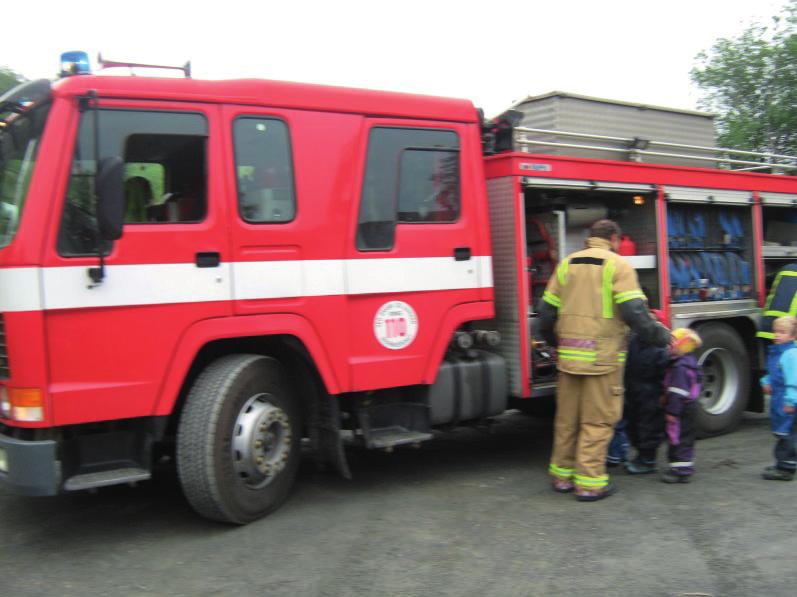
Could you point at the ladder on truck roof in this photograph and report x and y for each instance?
(104, 63)
(635, 149)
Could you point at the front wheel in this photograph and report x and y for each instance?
(238, 441)
(726, 379)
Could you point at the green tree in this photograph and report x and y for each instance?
(8, 78)
(750, 82)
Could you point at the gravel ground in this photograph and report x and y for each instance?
(470, 513)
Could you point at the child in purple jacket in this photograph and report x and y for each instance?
(681, 389)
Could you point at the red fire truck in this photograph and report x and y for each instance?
(225, 272)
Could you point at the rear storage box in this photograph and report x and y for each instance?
(559, 111)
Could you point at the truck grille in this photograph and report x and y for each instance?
(4, 371)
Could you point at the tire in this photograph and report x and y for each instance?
(726, 380)
(238, 440)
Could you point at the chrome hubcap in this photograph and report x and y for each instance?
(261, 441)
(720, 381)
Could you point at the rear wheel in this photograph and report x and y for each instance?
(726, 379)
(238, 440)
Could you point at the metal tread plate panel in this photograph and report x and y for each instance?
(505, 276)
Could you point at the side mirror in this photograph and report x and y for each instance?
(110, 197)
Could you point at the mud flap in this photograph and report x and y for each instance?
(326, 438)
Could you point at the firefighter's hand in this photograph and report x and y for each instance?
(788, 408)
(767, 389)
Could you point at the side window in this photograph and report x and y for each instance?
(165, 155)
(263, 170)
(411, 176)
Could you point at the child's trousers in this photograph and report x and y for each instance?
(785, 454)
(681, 435)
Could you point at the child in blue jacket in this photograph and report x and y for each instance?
(781, 383)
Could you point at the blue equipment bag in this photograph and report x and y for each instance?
(696, 238)
(675, 228)
(734, 281)
(676, 280)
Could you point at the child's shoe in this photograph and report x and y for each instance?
(640, 467)
(772, 473)
(671, 477)
(593, 495)
(561, 485)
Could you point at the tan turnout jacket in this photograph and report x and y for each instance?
(586, 289)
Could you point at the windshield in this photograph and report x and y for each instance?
(21, 125)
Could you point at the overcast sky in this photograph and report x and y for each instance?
(492, 52)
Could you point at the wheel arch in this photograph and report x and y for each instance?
(289, 339)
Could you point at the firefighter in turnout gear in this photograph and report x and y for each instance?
(587, 307)
(782, 300)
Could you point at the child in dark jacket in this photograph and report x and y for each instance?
(644, 386)
(681, 389)
(781, 383)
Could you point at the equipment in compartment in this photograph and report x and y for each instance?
(543, 356)
(541, 256)
(707, 254)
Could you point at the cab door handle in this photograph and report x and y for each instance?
(208, 259)
(462, 253)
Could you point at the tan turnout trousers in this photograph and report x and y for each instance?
(587, 408)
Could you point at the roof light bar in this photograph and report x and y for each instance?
(75, 63)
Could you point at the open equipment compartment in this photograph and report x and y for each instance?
(779, 245)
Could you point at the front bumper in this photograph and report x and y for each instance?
(29, 467)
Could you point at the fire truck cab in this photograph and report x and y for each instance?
(222, 266)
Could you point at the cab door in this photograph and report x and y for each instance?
(110, 342)
(415, 257)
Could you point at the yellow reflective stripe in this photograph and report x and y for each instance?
(793, 306)
(581, 353)
(551, 299)
(601, 481)
(577, 355)
(608, 275)
(564, 473)
(561, 271)
(775, 287)
(771, 293)
(622, 297)
(621, 357)
(767, 335)
(775, 313)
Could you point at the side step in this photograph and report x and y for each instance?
(385, 426)
(387, 438)
(105, 478)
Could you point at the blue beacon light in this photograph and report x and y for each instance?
(75, 63)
